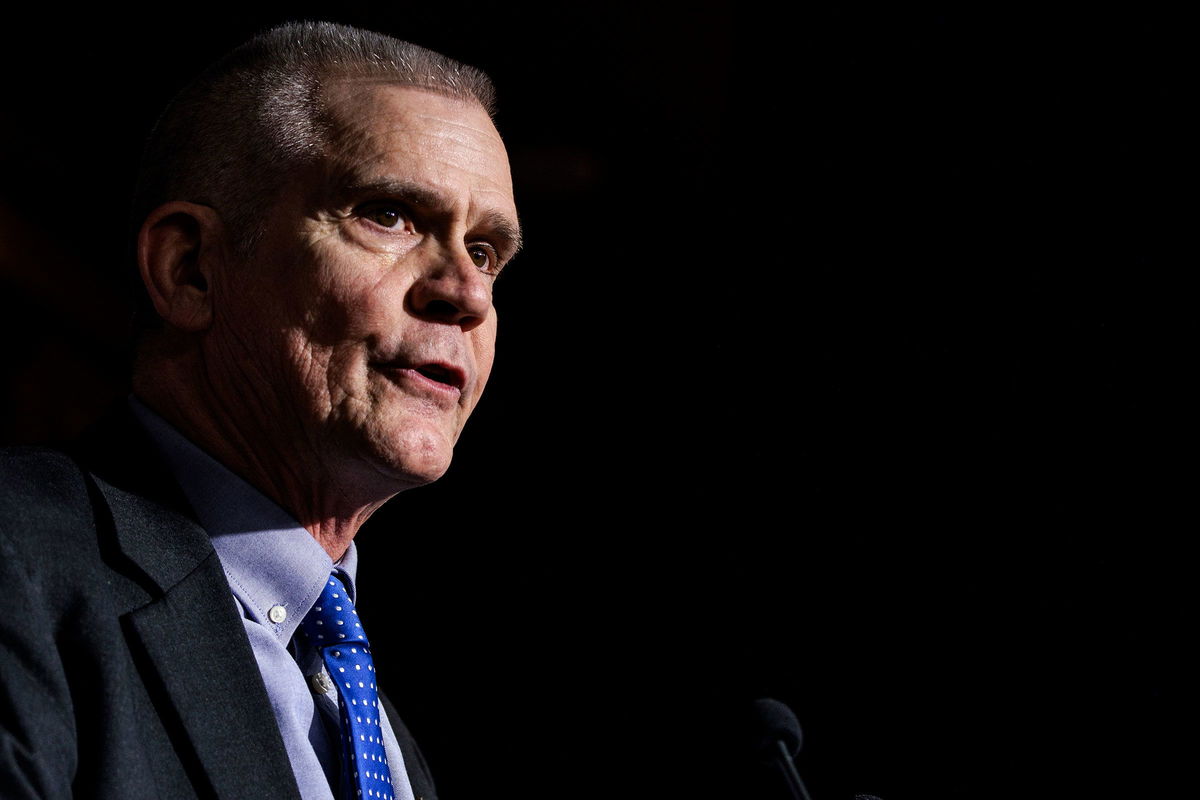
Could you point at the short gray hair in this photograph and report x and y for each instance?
(231, 138)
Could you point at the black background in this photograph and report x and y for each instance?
(841, 367)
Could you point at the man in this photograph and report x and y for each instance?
(323, 214)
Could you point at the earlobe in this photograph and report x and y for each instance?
(179, 246)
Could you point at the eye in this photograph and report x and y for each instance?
(485, 257)
(384, 215)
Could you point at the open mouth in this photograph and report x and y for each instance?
(444, 376)
(440, 373)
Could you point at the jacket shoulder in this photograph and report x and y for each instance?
(43, 493)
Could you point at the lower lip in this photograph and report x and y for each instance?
(415, 379)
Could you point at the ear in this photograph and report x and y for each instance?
(180, 245)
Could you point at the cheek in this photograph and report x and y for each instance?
(354, 293)
(483, 341)
(354, 312)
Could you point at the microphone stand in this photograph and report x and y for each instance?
(790, 775)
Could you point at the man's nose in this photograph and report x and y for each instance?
(451, 289)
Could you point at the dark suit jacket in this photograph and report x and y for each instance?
(124, 668)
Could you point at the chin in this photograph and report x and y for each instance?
(414, 459)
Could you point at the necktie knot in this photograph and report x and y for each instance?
(333, 619)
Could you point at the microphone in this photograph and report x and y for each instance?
(777, 739)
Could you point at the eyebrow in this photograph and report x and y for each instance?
(504, 228)
(499, 224)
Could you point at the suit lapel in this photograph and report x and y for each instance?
(194, 643)
(189, 639)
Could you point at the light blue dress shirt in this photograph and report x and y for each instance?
(276, 570)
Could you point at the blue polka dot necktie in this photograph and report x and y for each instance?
(334, 629)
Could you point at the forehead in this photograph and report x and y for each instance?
(384, 132)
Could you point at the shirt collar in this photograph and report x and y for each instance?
(271, 561)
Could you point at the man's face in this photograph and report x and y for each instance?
(364, 318)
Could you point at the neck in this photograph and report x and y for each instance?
(242, 432)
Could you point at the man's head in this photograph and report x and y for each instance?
(234, 135)
(324, 262)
